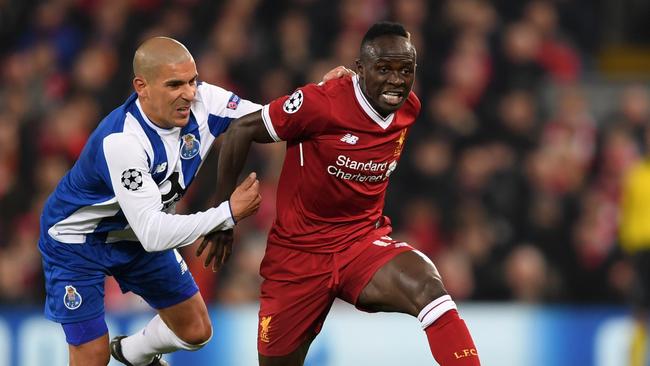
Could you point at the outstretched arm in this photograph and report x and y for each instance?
(232, 157)
(140, 201)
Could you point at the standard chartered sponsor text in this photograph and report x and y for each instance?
(343, 161)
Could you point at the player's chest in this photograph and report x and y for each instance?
(375, 145)
(174, 170)
(357, 156)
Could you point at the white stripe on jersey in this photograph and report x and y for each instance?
(368, 108)
(302, 159)
(266, 117)
(84, 221)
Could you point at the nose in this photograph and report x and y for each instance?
(189, 92)
(395, 78)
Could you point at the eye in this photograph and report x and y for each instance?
(383, 70)
(407, 71)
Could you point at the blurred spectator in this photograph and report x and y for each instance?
(635, 241)
(526, 274)
(517, 122)
(558, 58)
(456, 270)
(514, 196)
(632, 114)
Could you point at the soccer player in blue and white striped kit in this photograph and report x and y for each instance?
(113, 212)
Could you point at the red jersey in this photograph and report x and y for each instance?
(340, 154)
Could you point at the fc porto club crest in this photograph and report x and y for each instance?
(190, 146)
(71, 299)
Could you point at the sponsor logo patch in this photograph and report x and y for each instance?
(293, 103)
(233, 102)
(391, 168)
(161, 167)
(72, 298)
(181, 262)
(350, 139)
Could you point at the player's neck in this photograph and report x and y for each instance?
(148, 112)
(374, 106)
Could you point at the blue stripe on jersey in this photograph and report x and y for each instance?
(190, 166)
(218, 124)
(159, 154)
(88, 182)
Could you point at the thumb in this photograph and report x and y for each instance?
(250, 179)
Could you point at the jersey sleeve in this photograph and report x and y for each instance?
(298, 115)
(223, 106)
(140, 200)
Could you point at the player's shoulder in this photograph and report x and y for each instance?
(326, 93)
(336, 86)
(127, 142)
(123, 147)
(414, 101)
(207, 92)
(412, 104)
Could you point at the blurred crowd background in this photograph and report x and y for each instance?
(512, 180)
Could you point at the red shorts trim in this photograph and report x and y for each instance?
(300, 287)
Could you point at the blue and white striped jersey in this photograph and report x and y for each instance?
(131, 173)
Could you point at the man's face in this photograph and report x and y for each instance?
(167, 96)
(387, 72)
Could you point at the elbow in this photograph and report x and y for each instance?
(148, 237)
(149, 246)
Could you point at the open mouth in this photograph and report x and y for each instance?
(392, 97)
(183, 111)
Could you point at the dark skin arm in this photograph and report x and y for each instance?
(232, 157)
(234, 150)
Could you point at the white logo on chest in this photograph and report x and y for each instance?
(161, 167)
(350, 139)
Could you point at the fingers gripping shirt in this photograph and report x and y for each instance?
(131, 173)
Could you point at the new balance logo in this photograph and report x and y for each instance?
(350, 139)
(161, 167)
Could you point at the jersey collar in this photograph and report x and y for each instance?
(367, 107)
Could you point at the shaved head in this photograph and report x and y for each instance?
(166, 81)
(155, 52)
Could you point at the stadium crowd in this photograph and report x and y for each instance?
(510, 181)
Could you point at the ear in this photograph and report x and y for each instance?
(140, 86)
(360, 69)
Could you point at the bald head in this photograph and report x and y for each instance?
(155, 52)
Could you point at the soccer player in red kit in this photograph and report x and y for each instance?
(329, 239)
